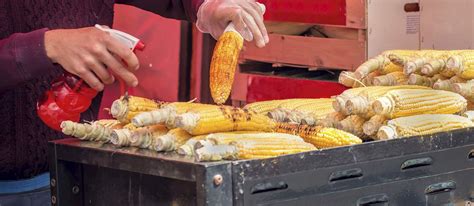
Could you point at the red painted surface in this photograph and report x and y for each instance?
(306, 11)
(261, 88)
(158, 75)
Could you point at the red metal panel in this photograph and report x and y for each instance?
(261, 88)
(306, 11)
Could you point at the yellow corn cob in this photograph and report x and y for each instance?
(145, 137)
(462, 64)
(369, 79)
(447, 84)
(332, 119)
(414, 66)
(222, 119)
(415, 79)
(293, 104)
(403, 102)
(288, 115)
(464, 89)
(174, 139)
(392, 79)
(373, 125)
(316, 111)
(121, 137)
(353, 124)
(381, 61)
(307, 111)
(95, 131)
(251, 149)
(390, 68)
(361, 103)
(422, 125)
(469, 114)
(125, 108)
(339, 103)
(320, 137)
(347, 78)
(264, 107)
(166, 114)
(223, 65)
(187, 148)
(226, 138)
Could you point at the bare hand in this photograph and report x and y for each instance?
(88, 52)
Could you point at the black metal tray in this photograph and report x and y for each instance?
(429, 170)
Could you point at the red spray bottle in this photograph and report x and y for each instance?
(69, 95)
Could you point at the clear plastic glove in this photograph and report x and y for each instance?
(246, 15)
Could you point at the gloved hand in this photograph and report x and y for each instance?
(247, 16)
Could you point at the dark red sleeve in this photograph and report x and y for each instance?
(176, 9)
(22, 58)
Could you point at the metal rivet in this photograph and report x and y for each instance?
(53, 182)
(218, 180)
(75, 189)
(53, 199)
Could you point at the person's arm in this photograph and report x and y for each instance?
(176, 9)
(22, 58)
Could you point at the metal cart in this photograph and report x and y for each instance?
(429, 170)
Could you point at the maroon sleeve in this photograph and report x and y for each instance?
(176, 9)
(22, 58)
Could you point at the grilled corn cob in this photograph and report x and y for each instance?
(145, 137)
(222, 119)
(125, 108)
(422, 125)
(392, 79)
(320, 137)
(223, 65)
(174, 139)
(121, 137)
(96, 131)
(373, 125)
(403, 102)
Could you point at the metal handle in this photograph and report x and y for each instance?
(346, 174)
(414, 163)
(374, 199)
(412, 7)
(268, 187)
(440, 187)
(471, 154)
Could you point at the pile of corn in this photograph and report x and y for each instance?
(404, 93)
(216, 132)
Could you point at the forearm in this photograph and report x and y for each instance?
(22, 58)
(176, 9)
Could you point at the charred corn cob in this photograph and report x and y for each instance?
(222, 119)
(422, 125)
(320, 137)
(373, 125)
(166, 114)
(96, 131)
(174, 139)
(353, 124)
(251, 149)
(392, 79)
(223, 65)
(125, 108)
(402, 103)
(145, 137)
(361, 103)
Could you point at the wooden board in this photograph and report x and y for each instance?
(356, 14)
(309, 51)
(447, 24)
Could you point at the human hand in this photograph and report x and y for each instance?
(88, 52)
(246, 15)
